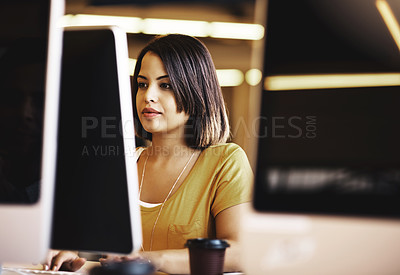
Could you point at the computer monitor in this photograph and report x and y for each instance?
(327, 175)
(30, 50)
(96, 199)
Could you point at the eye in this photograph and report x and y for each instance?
(166, 86)
(142, 85)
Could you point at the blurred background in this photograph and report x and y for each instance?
(226, 27)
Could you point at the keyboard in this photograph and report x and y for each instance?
(28, 271)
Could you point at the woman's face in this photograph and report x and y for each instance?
(155, 100)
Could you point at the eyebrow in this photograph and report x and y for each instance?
(158, 78)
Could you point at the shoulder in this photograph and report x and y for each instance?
(224, 150)
(225, 153)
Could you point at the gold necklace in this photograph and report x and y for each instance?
(166, 198)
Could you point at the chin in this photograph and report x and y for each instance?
(153, 130)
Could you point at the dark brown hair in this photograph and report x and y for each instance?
(197, 92)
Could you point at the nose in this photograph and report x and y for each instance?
(151, 94)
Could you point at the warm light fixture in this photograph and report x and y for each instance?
(164, 26)
(253, 77)
(330, 81)
(390, 20)
(230, 77)
(128, 24)
(236, 30)
(132, 64)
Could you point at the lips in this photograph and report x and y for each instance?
(150, 112)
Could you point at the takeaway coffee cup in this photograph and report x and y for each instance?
(206, 256)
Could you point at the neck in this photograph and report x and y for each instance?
(169, 148)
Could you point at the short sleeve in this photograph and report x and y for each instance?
(234, 181)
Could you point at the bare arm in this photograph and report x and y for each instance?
(227, 227)
(176, 261)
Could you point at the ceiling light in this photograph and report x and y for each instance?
(165, 26)
(230, 77)
(390, 20)
(332, 81)
(132, 64)
(253, 77)
(236, 30)
(128, 24)
(156, 26)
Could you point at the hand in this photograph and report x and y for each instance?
(65, 260)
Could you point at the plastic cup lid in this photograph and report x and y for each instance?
(207, 243)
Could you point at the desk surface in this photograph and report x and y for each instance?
(84, 270)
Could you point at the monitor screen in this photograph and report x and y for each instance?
(23, 59)
(329, 149)
(329, 36)
(30, 49)
(96, 207)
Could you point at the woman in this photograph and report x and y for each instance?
(192, 183)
